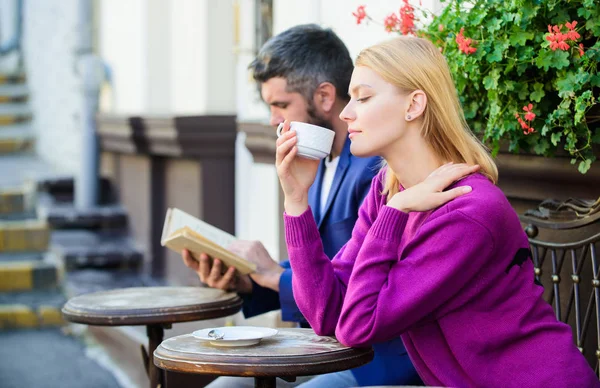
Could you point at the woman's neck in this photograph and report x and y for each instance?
(412, 160)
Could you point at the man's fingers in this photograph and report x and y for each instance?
(215, 273)
(205, 267)
(189, 261)
(226, 280)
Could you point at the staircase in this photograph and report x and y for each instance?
(30, 275)
(49, 249)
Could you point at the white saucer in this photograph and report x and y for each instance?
(236, 335)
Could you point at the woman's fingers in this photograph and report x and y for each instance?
(284, 137)
(447, 196)
(284, 149)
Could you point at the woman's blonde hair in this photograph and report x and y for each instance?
(411, 64)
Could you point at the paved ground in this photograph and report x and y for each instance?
(48, 358)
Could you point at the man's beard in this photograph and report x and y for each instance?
(315, 119)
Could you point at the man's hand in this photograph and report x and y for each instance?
(268, 271)
(210, 272)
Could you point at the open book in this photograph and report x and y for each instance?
(183, 231)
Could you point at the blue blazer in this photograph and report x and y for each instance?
(351, 183)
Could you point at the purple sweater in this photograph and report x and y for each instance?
(449, 282)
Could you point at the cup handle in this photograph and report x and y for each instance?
(279, 128)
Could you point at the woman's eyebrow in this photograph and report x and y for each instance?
(355, 88)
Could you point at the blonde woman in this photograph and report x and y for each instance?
(437, 255)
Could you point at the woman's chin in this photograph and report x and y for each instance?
(361, 152)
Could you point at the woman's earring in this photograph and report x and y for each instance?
(408, 117)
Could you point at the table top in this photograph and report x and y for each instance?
(292, 352)
(150, 305)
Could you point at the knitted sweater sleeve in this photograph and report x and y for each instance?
(319, 285)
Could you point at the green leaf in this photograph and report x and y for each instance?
(566, 85)
(555, 138)
(522, 91)
(538, 92)
(593, 25)
(471, 109)
(584, 13)
(596, 137)
(527, 11)
(541, 147)
(495, 56)
(493, 24)
(595, 80)
(556, 59)
(475, 17)
(584, 166)
(491, 80)
(545, 130)
(519, 37)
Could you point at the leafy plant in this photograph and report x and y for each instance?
(526, 71)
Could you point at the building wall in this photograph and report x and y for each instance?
(52, 38)
(168, 57)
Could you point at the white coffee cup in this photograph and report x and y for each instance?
(313, 142)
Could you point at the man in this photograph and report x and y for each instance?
(303, 75)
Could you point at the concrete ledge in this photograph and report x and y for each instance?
(22, 317)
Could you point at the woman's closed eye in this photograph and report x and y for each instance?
(363, 99)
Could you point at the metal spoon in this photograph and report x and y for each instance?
(215, 334)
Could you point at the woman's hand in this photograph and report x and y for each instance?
(296, 175)
(430, 193)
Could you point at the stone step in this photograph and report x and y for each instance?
(62, 189)
(19, 78)
(17, 201)
(15, 145)
(14, 109)
(14, 90)
(66, 216)
(14, 119)
(17, 131)
(24, 236)
(21, 310)
(30, 167)
(26, 272)
(87, 249)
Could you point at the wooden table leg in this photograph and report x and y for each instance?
(155, 337)
(264, 382)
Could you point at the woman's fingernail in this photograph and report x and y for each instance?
(467, 189)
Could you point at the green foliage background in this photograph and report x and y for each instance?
(514, 66)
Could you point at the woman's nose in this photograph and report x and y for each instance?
(347, 114)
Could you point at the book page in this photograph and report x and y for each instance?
(180, 219)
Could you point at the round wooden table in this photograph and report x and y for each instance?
(155, 307)
(290, 353)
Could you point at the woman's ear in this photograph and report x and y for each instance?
(324, 96)
(417, 104)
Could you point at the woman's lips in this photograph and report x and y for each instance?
(352, 133)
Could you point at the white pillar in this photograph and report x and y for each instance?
(91, 74)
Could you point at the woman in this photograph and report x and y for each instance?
(437, 262)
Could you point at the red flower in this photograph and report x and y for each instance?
(529, 116)
(441, 27)
(464, 44)
(391, 22)
(581, 49)
(360, 14)
(407, 17)
(559, 40)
